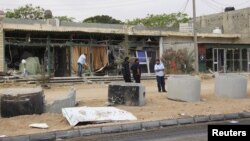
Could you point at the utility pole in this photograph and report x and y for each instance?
(195, 39)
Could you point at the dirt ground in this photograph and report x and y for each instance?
(157, 105)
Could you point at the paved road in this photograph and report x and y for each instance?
(193, 132)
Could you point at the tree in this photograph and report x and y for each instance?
(102, 19)
(182, 60)
(161, 20)
(65, 18)
(30, 12)
(26, 12)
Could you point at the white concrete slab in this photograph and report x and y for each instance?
(75, 115)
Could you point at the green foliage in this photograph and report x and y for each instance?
(26, 12)
(102, 19)
(65, 18)
(182, 58)
(161, 20)
(30, 12)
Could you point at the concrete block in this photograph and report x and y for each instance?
(16, 138)
(21, 101)
(231, 116)
(184, 88)
(132, 94)
(62, 102)
(50, 136)
(231, 86)
(244, 115)
(112, 129)
(67, 134)
(131, 127)
(90, 131)
(198, 119)
(216, 117)
(168, 122)
(150, 124)
(188, 120)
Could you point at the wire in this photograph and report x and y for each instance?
(184, 7)
(234, 4)
(212, 6)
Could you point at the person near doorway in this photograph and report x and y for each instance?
(160, 75)
(136, 71)
(80, 62)
(126, 70)
(173, 66)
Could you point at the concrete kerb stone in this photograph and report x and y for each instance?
(168, 122)
(187, 120)
(150, 124)
(111, 129)
(217, 117)
(90, 131)
(131, 126)
(16, 138)
(199, 119)
(244, 115)
(50, 136)
(232, 116)
(67, 134)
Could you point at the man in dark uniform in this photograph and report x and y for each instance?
(125, 70)
(136, 70)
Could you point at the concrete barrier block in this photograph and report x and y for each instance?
(16, 138)
(187, 120)
(50, 136)
(244, 115)
(112, 129)
(168, 122)
(64, 102)
(232, 116)
(132, 94)
(216, 117)
(199, 119)
(184, 88)
(131, 127)
(90, 131)
(231, 86)
(150, 124)
(67, 134)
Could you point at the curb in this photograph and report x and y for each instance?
(79, 132)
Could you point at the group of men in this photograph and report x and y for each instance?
(136, 71)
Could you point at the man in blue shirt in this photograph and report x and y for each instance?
(159, 72)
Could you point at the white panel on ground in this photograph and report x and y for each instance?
(75, 115)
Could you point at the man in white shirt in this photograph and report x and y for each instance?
(159, 72)
(81, 61)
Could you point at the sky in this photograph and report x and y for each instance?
(126, 9)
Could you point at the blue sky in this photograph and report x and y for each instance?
(125, 9)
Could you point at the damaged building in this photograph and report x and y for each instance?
(55, 46)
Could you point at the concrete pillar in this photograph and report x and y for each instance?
(231, 86)
(161, 47)
(2, 62)
(184, 88)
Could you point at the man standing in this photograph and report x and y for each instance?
(125, 70)
(136, 70)
(159, 71)
(81, 61)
